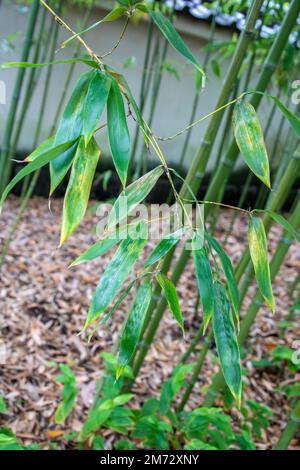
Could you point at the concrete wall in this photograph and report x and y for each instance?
(175, 97)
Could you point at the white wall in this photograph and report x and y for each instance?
(175, 97)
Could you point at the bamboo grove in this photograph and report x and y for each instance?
(71, 149)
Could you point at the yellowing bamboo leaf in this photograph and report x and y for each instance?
(259, 255)
(115, 275)
(79, 187)
(172, 298)
(226, 342)
(250, 140)
(36, 164)
(133, 327)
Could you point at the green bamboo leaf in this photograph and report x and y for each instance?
(116, 305)
(30, 65)
(71, 123)
(95, 102)
(44, 147)
(79, 187)
(229, 274)
(281, 221)
(133, 327)
(164, 246)
(132, 196)
(170, 33)
(259, 255)
(172, 298)
(113, 15)
(36, 164)
(126, 89)
(250, 140)
(115, 275)
(226, 342)
(205, 281)
(118, 133)
(60, 166)
(102, 246)
(292, 118)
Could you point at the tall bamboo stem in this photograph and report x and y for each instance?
(290, 429)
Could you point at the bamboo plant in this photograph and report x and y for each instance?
(73, 147)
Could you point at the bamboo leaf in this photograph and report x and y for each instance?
(36, 164)
(292, 118)
(164, 246)
(133, 327)
(116, 305)
(170, 33)
(118, 133)
(205, 281)
(60, 166)
(259, 255)
(281, 221)
(95, 102)
(226, 342)
(229, 274)
(115, 275)
(250, 140)
(44, 147)
(71, 123)
(79, 187)
(126, 89)
(132, 196)
(172, 298)
(30, 65)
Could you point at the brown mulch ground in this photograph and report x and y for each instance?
(43, 307)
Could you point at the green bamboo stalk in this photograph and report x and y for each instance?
(32, 82)
(143, 89)
(193, 345)
(5, 163)
(196, 371)
(290, 429)
(198, 94)
(218, 382)
(142, 166)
